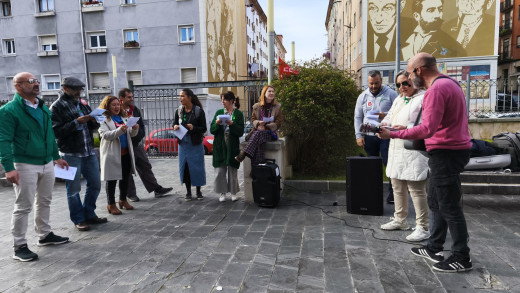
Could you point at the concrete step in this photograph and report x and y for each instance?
(480, 182)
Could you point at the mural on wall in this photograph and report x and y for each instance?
(443, 28)
(222, 41)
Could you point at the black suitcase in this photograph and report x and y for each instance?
(365, 185)
(266, 183)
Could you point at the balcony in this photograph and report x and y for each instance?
(506, 5)
(504, 57)
(505, 29)
(92, 6)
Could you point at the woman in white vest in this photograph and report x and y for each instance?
(407, 169)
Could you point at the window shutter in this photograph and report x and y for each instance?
(48, 40)
(188, 75)
(135, 76)
(100, 80)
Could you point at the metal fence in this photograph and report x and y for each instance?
(158, 104)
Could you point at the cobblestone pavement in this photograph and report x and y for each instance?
(169, 245)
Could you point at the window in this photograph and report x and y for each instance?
(9, 48)
(128, 2)
(131, 37)
(188, 75)
(97, 40)
(51, 82)
(100, 81)
(6, 7)
(9, 84)
(46, 5)
(135, 76)
(48, 43)
(186, 34)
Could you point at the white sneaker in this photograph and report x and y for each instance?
(234, 197)
(228, 197)
(418, 235)
(395, 225)
(222, 197)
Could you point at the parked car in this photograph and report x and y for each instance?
(504, 103)
(163, 142)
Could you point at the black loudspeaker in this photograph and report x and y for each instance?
(365, 185)
(266, 183)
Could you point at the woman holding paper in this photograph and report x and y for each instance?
(407, 169)
(227, 127)
(190, 116)
(266, 119)
(116, 152)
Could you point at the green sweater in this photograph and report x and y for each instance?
(22, 138)
(223, 156)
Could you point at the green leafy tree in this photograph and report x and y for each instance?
(318, 113)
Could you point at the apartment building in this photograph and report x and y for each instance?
(151, 42)
(509, 46)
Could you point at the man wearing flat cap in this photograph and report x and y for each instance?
(73, 128)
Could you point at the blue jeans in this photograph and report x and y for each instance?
(373, 147)
(89, 167)
(445, 200)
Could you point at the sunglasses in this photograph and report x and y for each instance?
(30, 80)
(404, 83)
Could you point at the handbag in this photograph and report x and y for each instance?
(416, 144)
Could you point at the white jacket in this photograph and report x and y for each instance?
(110, 150)
(402, 163)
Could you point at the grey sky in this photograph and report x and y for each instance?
(301, 21)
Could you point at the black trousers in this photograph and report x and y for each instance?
(445, 200)
(126, 168)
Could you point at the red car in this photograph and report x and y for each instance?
(163, 141)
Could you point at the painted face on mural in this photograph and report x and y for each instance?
(430, 17)
(470, 7)
(382, 15)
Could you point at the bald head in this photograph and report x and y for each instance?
(423, 69)
(423, 60)
(22, 76)
(26, 85)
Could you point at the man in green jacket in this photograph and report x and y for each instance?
(27, 151)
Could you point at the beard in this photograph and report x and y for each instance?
(432, 26)
(418, 82)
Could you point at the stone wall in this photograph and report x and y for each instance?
(486, 128)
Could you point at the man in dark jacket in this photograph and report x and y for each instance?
(73, 128)
(142, 165)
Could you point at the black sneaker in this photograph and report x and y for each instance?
(188, 197)
(133, 198)
(454, 264)
(199, 196)
(423, 251)
(162, 192)
(23, 253)
(52, 239)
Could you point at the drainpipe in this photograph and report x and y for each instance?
(82, 30)
(270, 45)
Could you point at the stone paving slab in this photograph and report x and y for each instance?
(169, 245)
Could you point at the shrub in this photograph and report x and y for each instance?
(318, 109)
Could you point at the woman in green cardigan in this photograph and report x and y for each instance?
(227, 127)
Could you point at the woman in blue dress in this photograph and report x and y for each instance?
(191, 150)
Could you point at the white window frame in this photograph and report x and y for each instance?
(100, 87)
(184, 27)
(125, 39)
(130, 72)
(41, 44)
(96, 34)
(187, 68)
(55, 79)
(5, 47)
(40, 8)
(10, 85)
(6, 8)
(128, 2)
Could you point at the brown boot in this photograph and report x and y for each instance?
(112, 209)
(124, 204)
(240, 157)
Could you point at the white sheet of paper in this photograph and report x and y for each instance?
(181, 132)
(132, 121)
(268, 119)
(64, 173)
(97, 112)
(224, 118)
(100, 119)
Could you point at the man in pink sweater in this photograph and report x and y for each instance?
(445, 130)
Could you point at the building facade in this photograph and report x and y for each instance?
(509, 46)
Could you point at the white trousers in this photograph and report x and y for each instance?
(34, 187)
(418, 193)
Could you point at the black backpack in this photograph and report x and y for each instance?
(510, 143)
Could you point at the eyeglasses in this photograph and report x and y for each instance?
(30, 80)
(404, 83)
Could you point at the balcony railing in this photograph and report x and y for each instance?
(506, 5)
